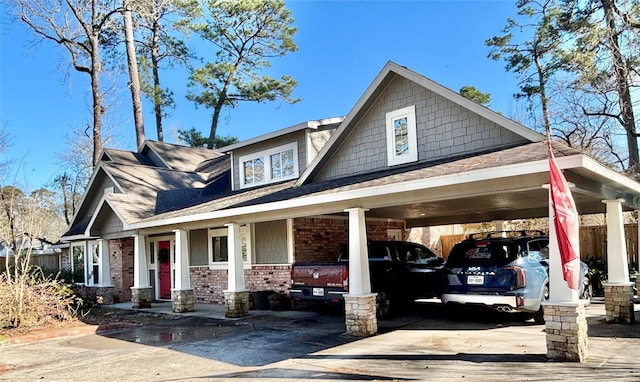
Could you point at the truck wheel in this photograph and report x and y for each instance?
(587, 291)
(538, 316)
(383, 304)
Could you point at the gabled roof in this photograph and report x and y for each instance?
(499, 182)
(317, 124)
(333, 195)
(178, 157)
(388, 73)
(125, 157)
(144, 188)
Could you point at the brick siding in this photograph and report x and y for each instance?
(121, 266)
(209, 284)
(319, 239)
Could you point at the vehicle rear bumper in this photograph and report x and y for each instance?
(479, 299)
(307, 294)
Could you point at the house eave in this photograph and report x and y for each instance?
(334, 202)
(278, 133)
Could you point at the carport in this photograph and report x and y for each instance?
(509, 184)
(501, 185)
(467, 164)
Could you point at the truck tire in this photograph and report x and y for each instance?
(587, 291)
(383, 304)
(538, 317)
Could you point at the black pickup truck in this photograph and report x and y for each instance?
(400, 272)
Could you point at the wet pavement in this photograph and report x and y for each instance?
(427, 342)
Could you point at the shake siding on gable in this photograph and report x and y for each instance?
(95, 195)
(297, 136)
(108, 225)
(443, 129)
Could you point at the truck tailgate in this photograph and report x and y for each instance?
(319, 275)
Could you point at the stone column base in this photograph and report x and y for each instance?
(618, 302)
(183, 300)
(141, 297)
(566, 328)
(236, 304)
(360, 315)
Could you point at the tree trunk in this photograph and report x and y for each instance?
(157, 89)
(544, 101)
(96, 67)
(134, 80)
(211, 143)
(622, 84)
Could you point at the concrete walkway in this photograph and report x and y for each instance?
(428, 344)
(215, 311)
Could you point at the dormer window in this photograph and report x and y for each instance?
(402, 145)
(269, 166)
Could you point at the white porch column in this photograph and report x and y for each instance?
(141, 289)
(360, 303)
(617, 267)
(236, 270)
(236, 297)
(559, 290)
(181, 265)
(501, 226)
(105, 271)
(182, 296)
(359, 280)
(564, 313)
(618, 290)
(140, 268)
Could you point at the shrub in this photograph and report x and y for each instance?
(33, 299)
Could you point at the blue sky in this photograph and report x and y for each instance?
(342, 47)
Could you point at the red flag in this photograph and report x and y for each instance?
(566, 223)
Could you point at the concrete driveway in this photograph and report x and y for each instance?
(428, 343)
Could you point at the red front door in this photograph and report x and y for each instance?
(164, 259)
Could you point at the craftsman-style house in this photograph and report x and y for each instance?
(184, 224)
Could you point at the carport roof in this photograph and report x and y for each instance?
(504, 184)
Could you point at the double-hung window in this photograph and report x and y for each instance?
(269, 166)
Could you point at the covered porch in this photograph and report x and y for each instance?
(508, 184)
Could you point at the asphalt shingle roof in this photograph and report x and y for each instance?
(423, 170)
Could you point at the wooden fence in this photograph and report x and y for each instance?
(593, 243)
(46, 262)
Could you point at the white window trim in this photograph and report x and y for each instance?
(246, 232)
(93, 245)
(82, 245)
(155, 266)
(87, 276)
(412, 155)
(266, 154)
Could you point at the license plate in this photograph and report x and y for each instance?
(475, 280)
(318, 291)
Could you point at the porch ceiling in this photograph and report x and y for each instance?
(516, 197)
